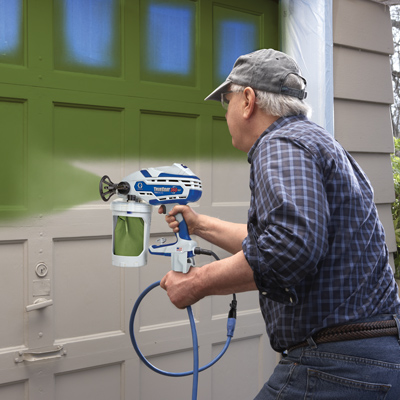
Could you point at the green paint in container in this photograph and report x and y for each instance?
(131, 233)
(128, 236)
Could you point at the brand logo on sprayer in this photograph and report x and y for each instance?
(158, 190)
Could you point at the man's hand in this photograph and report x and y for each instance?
(229, 275)
(190, 217)
(181, 288)
(227, 235)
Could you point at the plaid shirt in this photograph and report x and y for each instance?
(315, 242)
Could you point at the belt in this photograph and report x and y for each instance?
(364, 330)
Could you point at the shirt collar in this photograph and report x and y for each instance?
(279, 123)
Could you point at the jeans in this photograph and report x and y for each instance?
(362, 369)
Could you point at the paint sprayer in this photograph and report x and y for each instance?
(131, 214)
(138, 192)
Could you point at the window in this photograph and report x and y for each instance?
(235, 33)
(11, 32)
(87, 36)
(168, 41)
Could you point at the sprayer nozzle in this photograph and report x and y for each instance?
(106, 188)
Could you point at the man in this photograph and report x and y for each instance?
(313, 247)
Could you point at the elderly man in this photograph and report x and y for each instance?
(313, 247)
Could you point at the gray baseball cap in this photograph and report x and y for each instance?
(265, 70)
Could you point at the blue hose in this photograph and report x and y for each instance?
(196, 369)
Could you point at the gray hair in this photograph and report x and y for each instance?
(280, 105)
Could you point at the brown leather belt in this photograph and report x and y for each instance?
(364, 330)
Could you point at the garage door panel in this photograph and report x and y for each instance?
(14, 391)
(103, 381)
(223, 386)
(166, 138)
(230, 169)
(12, 114)
(83, 263)
(84, 135)
(13, 293)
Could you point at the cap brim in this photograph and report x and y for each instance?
(216, 94)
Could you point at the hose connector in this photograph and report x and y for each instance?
(230, 329)
(232, 311)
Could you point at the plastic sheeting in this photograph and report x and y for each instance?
(306, 32)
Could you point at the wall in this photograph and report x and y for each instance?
(362, 38)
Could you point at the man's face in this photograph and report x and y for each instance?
(233, 119)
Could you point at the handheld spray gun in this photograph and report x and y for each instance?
(138, 192)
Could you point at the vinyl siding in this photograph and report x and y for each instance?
(362, 43)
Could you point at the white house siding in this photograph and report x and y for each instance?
(362, 44)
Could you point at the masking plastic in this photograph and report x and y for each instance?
(306, 32)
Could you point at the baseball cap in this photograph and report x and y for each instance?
(266, 70)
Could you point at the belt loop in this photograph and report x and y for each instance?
(396, 318)
(312, 343)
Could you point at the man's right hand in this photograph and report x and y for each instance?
(190, 217)
(227, 235)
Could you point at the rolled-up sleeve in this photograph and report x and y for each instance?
(288, 218)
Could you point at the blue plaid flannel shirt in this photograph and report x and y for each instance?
(315, 242)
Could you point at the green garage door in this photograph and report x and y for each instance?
(113, 80)
(94, 87)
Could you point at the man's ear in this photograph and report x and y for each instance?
(249, 102)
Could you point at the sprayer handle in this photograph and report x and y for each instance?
(182, 251)
(183, 229)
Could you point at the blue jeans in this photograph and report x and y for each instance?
(366, 369)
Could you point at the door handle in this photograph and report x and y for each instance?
(38, 304)
(44, 353)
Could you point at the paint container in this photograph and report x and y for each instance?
(131, 233)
